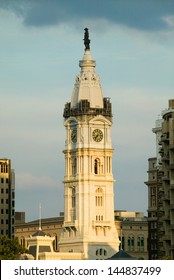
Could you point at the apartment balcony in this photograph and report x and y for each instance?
(164, 138)
(152, 209)
(171, 146)
(151, 182)
(165, 178)
(160, 189)
(171, 247)
(172, 166)
(172, 226)
(161, 230)
(160, 208)
(165, 218)
(166, 237)
(166, 197)
(152, 219)
(171, 206)
(165, 157)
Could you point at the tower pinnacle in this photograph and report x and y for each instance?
(86, 39)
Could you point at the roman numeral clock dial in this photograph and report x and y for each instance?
(97, 135)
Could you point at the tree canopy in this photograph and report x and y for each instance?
(10, 249)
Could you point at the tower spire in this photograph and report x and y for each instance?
(86, 39)
(89, 225)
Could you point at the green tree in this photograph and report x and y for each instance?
(10, 249)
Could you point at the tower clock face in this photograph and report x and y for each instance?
(97, 135)
(74, 136)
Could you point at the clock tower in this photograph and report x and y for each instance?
(88, 182)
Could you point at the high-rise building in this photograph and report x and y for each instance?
(167, 155)
(7, 196)
(154, 197)
(161, 189)
(88, 183)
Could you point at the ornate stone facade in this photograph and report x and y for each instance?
(88, 182)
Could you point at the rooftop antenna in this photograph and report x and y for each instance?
(40, 227)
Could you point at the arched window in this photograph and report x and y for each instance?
(99, 197)
(140, 243)
(96, 166)
(130, 243)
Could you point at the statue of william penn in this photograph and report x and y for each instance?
(86, 39)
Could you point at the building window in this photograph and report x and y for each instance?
(73, 204)
(101, 253)
(3, 167)
(74, 166)
(153, 191)
(99, 218)
(153, 201)
(140, 243)
(55, 243)
(97, 166)
(99, 197)
(130, 243)
(73, 197)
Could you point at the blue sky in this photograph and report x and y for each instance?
(41, 45)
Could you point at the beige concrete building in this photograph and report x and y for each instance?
(132, 229)
(161, 188)
(40, 246)
(51, 226)
(7, 198)
(133, 233)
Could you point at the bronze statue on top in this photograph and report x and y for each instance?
(86, 39)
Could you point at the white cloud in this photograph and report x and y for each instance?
(28, 181)
(169, 20)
